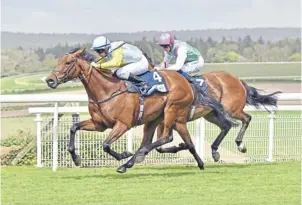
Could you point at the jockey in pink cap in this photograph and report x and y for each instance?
(188, 60)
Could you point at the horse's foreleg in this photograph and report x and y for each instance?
(118, 130)
(147, 139)
(182, 130)
(84, 125)
(173, 149)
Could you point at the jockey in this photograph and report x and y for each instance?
(188, 60)
(123, 59)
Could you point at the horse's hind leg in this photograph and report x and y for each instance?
(224, 127)
(149, 129)
(173, 149)
(182, 130)
(245, 118)
(170, 115)
(118, 130)
(88, 125)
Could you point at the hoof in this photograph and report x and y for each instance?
(182, 145)
(216, 156)
(201, 167)
(77, 160)
(126, 155)
(242, 148)
(159, 149)
(121, 169)
(140, 158)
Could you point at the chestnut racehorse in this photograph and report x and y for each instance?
(234, 94)
(112, 106)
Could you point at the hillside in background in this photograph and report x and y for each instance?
(14, 40)
(30, 53)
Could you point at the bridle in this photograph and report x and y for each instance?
(68, 74)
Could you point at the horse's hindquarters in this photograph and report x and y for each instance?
(227, 89)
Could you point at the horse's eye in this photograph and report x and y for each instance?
(67, 63)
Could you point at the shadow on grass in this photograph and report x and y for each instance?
(142, 174)
(207, 166)
(167, 171)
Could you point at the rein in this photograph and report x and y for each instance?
(68, 76)
(110, 98)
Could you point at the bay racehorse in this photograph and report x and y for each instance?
(233, 94)
(112, 105)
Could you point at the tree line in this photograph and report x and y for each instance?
(17, 61)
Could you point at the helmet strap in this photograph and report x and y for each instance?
(107, 50)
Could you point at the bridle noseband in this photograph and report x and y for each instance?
(68, 74)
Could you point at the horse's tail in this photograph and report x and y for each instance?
(256, 99)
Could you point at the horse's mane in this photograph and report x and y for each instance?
(89, 57)
(92, 58)
(105, 72)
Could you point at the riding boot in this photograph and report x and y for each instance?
(135, 79)
(144, 85)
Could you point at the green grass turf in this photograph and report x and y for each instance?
(271, 183)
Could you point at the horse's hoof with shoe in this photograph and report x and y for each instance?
(201, 167)
(121, 169)
(140, 158)
(141, 155)
(242, 148)
(77, 160)
(216, 156)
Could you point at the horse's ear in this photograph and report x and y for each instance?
(80, 51)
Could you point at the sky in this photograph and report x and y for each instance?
(100, 16)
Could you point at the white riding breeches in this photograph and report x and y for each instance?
(194, 66)
(137, 68)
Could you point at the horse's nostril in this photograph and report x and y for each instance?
(51, 83)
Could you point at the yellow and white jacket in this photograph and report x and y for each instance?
(118, 57)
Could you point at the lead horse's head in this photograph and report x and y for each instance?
(71, 66)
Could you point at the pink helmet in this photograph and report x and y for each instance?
(166, 39)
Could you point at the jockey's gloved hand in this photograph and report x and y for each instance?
(94, 64)
(158, 68)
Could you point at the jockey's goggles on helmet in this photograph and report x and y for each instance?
(165, 46)
(100, 50)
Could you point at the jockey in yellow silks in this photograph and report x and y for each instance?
(125, 60)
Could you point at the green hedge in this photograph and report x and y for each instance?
(17, 143)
